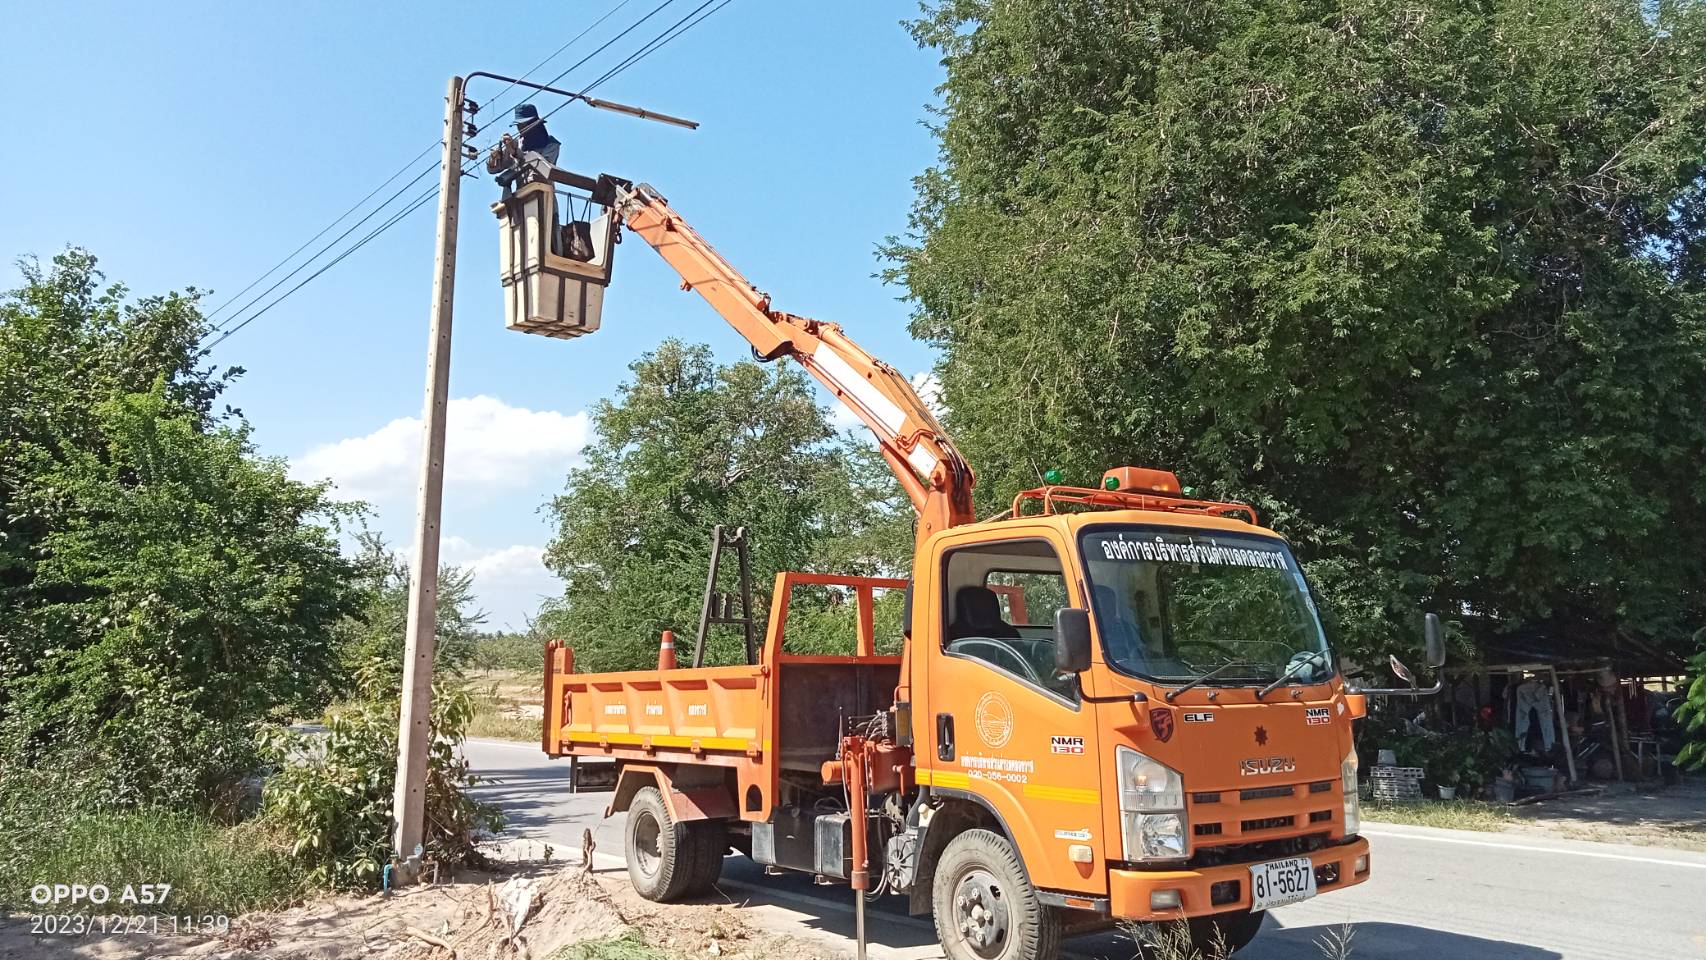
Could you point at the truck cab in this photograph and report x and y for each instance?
(1196, 759)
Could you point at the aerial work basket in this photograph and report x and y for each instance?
(554, 275)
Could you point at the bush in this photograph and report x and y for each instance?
(162, 587)
(1691, 718)
(212, 868)
(332, 793)
(1468, 761)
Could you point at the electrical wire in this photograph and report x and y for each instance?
(436, 144)
(324, 230)
(692, 19)
(554, 55)
(413, 205)
(605, 46)
(659, 42)
(281, 281)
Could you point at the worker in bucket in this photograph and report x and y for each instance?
(530, 129)
(538, 148)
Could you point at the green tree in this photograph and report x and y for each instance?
(1691, 717)
(1420, 280)
(374, 637)
(688, 444)
(162, 588)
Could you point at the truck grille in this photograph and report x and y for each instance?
(1227, 818)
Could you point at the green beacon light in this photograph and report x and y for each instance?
(1188, 491)
(1051, 476)
(1111, 483)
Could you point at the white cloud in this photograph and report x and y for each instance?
(925, 383)
(491, 448)
(509, 581)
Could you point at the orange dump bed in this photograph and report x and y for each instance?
(788, 711)
(699, 711)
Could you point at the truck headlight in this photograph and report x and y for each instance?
(1152, 807)
(1353, 803)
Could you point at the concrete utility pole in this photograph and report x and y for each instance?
(414, 736)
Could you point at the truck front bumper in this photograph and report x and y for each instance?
(1223, 888)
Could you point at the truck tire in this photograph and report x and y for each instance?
(712, 839)
(1234, 930)
(663, 856)
(985, 908)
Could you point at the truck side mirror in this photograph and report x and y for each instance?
(1072, 639)
(1435, 640)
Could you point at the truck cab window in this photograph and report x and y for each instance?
(1000, 600)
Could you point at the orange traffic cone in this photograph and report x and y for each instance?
(666, 651)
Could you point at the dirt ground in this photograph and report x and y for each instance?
(466, 919)
(1645, 814)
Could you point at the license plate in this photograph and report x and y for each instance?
(1280, 882)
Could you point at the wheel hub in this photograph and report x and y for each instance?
(980, 913)
(646, 845)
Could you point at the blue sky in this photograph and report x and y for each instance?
(198, 143)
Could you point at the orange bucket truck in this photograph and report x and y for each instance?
(1111, 702)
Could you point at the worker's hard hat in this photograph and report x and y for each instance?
(525, 113)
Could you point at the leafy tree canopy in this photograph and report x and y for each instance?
(1420, 280)
(688, 444)
(161, 586)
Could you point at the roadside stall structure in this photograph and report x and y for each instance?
(1524, 676)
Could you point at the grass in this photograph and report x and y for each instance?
(504, 704)
(492, 723)
(630, 945)
(212, 868)
(1449, 814)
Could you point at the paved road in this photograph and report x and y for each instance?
(1436, 894)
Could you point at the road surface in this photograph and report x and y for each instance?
(1435, 895)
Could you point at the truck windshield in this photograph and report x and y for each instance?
(1174, 605)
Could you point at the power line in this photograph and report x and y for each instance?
(393, 177)
(606, 45)
(324, 230)
(554, 55)
(388, 224)
(658, 42)
(688, 22)
(335, 241)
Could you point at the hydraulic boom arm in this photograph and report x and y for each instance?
(916, 447)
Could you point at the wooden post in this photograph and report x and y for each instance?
(1563, 724)
(414, 734)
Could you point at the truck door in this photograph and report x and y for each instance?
(1000, 725)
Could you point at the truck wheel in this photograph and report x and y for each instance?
(663, 858)
(712, 839)
(1225, 932)
(985, 908)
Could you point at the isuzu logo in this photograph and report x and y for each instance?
(1261, 766)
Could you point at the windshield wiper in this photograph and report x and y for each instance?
(1311, 661)
(1217, 671)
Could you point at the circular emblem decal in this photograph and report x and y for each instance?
(994, 718)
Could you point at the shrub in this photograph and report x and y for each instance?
(212, 868)
(162, 587)
(1691, 718)
(332, 793)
